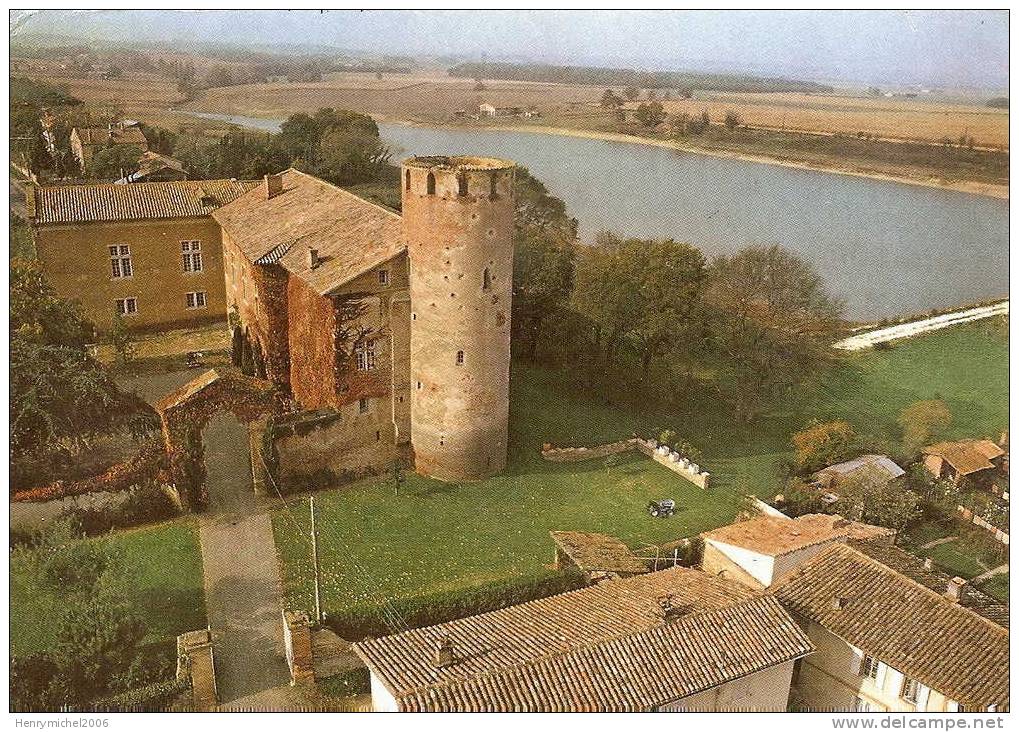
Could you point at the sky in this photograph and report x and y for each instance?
(962, 48)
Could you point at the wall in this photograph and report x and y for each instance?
(830, 679)
(343, 441)
(382, 699)
(312, 346)
(76, 261)
(764, 691)
(719, 557)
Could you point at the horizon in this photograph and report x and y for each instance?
(946, 49)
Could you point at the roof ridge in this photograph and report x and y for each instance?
(590, 645)
(344, 191)
(885, 568)
(120, 187)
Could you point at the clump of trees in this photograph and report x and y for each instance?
(821, 444)
(922, 422)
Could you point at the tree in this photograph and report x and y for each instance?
(631, 93)
(705, 119)
(479, 85)
(218, 76)
(121, 339)
(732, 120)
(772, 324)
(114, 162)
(650, 115)
(821, 444)
(876, 501)
(543, 259)
(922, 422)
(678, 124)
(609, 100)
(351, 155)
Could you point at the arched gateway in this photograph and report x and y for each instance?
(185, 413)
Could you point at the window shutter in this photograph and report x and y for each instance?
(882, 670)
(923, 693)
(856, 661)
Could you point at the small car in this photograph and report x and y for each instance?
(661, 509)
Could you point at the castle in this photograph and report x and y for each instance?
(395, 328)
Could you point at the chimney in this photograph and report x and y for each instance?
(839, 603)
(313, 260)
(443, 652)
(928, 564)
(668, 608)
(955, 587)
(273, 185)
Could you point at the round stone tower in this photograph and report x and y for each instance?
(458, 226)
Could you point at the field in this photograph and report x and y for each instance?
(167, 589)
(433, 539)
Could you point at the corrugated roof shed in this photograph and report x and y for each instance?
(902, 622)
(605, 647)
(105, 202)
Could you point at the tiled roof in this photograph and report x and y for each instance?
(151, 162)
(130, 135)
(967, 456)
(775, 536)
(112, 202)
(350, 234)
(641, 671)
(901, 622)
(603, 647)
(598, 552)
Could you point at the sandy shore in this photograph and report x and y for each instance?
(981, 189)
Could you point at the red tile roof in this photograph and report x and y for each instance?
(605, 647)
(967, 456)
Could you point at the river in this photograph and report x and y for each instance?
(885, 248)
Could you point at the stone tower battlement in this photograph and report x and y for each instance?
(458, 227)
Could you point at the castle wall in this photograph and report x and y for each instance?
(461, 253)
(311, 326)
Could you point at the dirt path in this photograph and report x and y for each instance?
(242, 584)
(1002, 569)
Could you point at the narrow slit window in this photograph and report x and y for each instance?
(431, 184)
(491, 188)
(462, 184)
(407, 178)
(486, 279)
(362, 406)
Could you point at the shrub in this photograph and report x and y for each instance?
(145, 504)
(821, 444)
(157, 697)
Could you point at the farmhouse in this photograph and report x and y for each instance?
(87, 141)
(759, 552)
(673, 640)
(397, 327)
(972, 459)
(148, 251)
(892, 635)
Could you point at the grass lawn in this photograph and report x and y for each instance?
(952, 558)
(437, 537)
(167, 587)
(997, 586)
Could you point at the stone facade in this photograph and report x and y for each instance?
(458, 227)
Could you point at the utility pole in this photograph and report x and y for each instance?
(314, 560)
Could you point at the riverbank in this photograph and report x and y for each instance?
(990, 190)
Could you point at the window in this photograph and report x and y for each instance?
(384, 277)
(362, 406)
(910, 689)
(407, 177)
(120, 261)
(869, 667)
(419, 385)
(194, 300)
(191, 253)
(461, 182)
(492, 194)
(126, 306)
(486, 280)
(431, 184)
(365, 356)
(459, 358)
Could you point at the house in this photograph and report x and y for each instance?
(759, 552)
(150, 251)
(87, 141)
(974, 460)
(486, 110)
(321, 283)
(874, 470)
(675, 640)
(155, 167)
(893, 635)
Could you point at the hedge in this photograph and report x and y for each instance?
(157, 697)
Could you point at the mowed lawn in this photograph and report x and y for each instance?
(167, 587)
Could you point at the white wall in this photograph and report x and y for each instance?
(382, 699)
(764, 691)
(759, 566)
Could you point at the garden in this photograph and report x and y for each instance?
(422, 551)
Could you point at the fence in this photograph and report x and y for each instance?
(661, 454)
(977, 520)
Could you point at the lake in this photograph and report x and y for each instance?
(885, 248)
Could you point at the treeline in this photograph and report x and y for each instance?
(602, 76)
(655, 318)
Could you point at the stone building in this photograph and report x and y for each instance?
(87, 141)
(150, 251)
(321, 283)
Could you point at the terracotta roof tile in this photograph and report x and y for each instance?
(775, 536)
(598, 552)
(350, 234)
(602, 647)
(902, 622)
(967, 456)
(83, 204)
